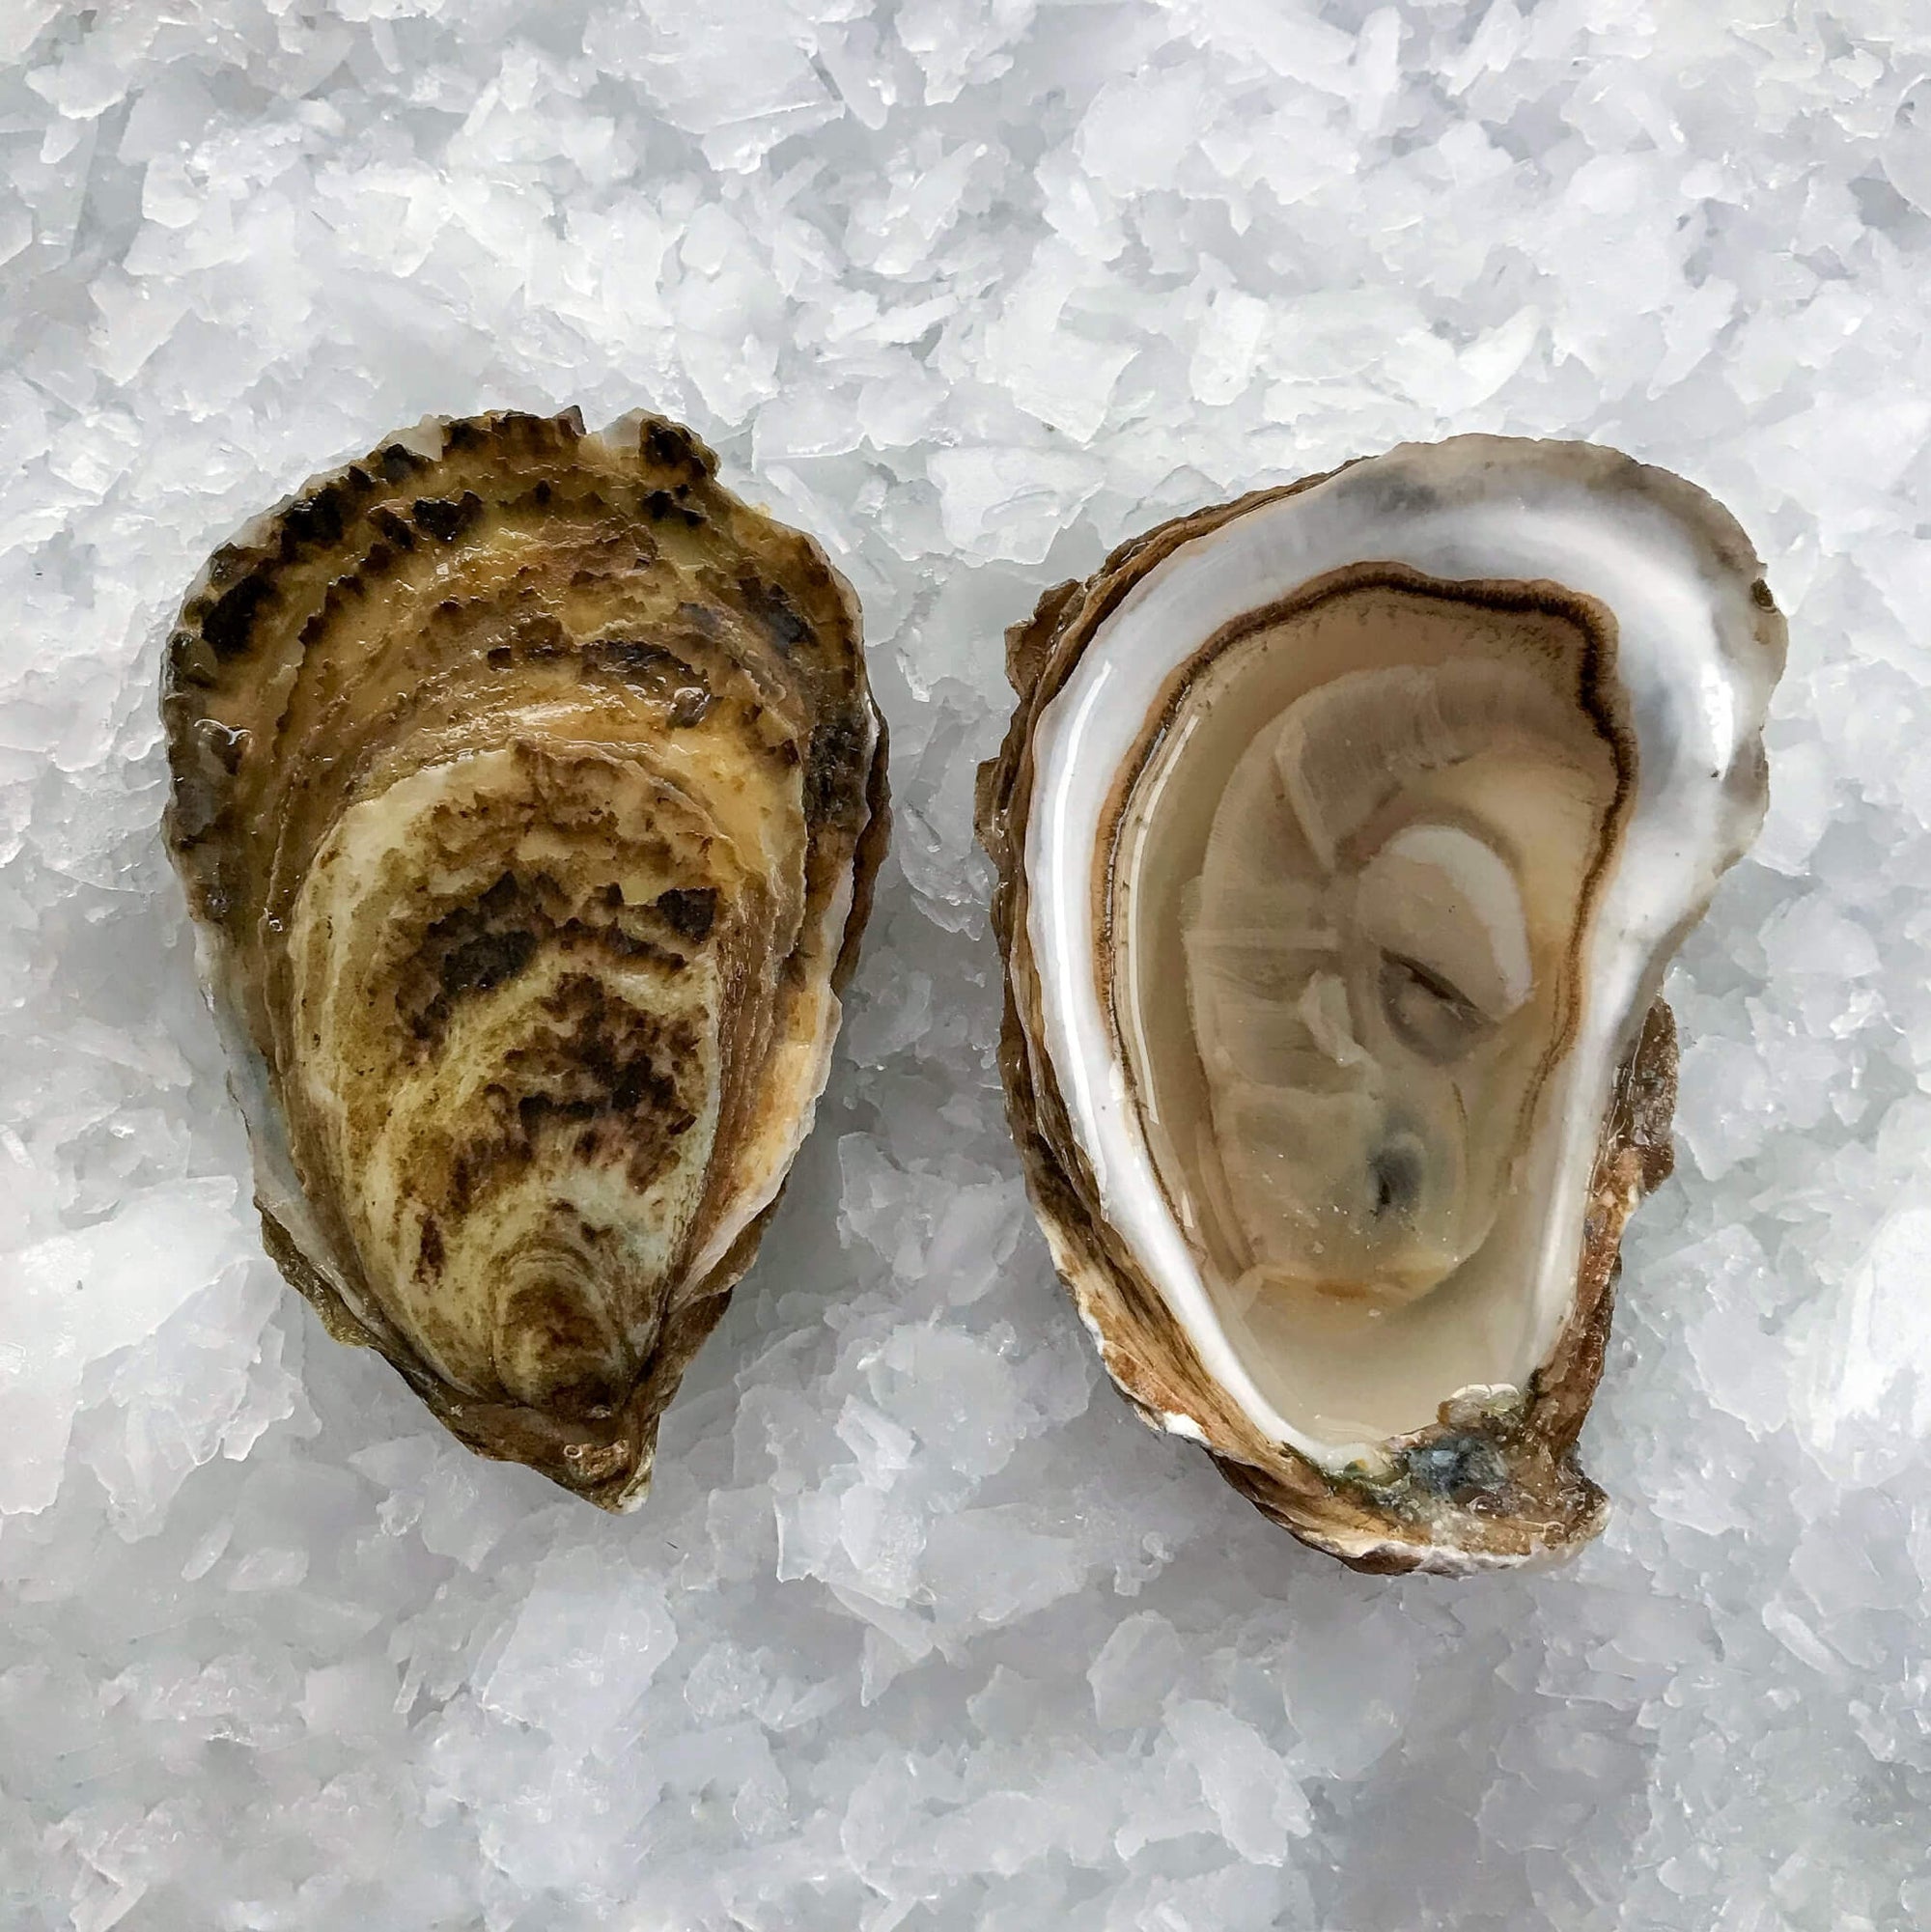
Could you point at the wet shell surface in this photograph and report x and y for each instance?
(1344, 833)
(528, 794)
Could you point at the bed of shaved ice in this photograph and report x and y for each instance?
(920, 1628)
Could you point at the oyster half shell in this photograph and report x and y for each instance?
(528, 794)
(1344, 833)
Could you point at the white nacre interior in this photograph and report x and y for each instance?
(1335, 1380)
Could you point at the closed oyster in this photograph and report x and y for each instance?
(1344, 834)
(528, 794)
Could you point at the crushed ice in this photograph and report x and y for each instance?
(920, 1628)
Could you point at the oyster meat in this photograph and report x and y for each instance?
(528, 795)
(1344, 834)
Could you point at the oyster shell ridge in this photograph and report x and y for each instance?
(412, 497)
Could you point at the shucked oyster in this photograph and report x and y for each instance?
(1344, 834)
(528, 794)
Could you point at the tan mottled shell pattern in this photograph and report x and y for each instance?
(528, 794)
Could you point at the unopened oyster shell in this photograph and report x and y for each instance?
(1344, 833)
(528, 794)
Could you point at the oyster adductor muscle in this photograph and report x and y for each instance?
(1344, 833)
(528, 794)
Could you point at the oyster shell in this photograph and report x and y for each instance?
(528, 795)
(1344, 833)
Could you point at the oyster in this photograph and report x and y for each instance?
(1343, 835)
(528, 795)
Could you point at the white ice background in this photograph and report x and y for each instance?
(921, 1629)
